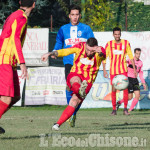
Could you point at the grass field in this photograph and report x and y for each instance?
(25, 127)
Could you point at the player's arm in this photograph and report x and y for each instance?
(101, 51)
(59, 53)
(105, 74)
(59, 40)
(142, 78)
(17, 27)
(133, 64)
(129, 52)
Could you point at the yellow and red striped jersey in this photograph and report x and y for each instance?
(12, 39)
(82, 64)
(117, 55)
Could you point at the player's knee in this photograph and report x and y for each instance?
(75, 79)
(6, 99)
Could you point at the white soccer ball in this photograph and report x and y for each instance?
(120, 82)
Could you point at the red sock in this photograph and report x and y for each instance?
(67, 113)
(113, 97)
(134, 102)
(75, 87)
(3, 108)
(121, 101)
(10, 105)
(125, 97)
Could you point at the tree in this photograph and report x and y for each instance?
(6, 7)
(97, 14)
(41, 14)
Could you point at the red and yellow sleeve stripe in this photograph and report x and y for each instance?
(18, 27)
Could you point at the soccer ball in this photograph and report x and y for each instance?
(120, 82)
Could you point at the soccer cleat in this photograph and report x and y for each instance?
(72, 121)
(125, 112)
(2, 131)
(114, 113)
(55, 127)
(118, 105)
(82, 89)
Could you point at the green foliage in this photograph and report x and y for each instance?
(63, 5)
(6, 8)
(138, 17)
(102, 15)
(97, 14)
(41, 15)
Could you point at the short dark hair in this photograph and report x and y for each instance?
(116, 29)
(92, 42)
(74, 7)
(137, 49)
(27, 3)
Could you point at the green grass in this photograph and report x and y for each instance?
(24, 125)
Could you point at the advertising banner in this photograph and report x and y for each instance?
(46, 85)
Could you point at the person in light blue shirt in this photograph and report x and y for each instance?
(67, 36)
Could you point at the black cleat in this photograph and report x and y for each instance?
(114, 112)
(2, 131)
(125, 112)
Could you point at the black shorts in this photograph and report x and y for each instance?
(133, 85)
(67, 70)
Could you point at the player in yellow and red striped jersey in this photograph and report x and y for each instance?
(117, 50)
(11, 42)
(88, 58)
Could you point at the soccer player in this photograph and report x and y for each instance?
(117, 50)
(69, 35)
(11, 42)
(88, 57)
(133, 81)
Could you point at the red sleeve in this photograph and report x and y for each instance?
(21, 22)
(103, 51)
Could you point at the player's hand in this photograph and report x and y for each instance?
(105, 74)
(97, 49)
(54, 57)
(24, 71)
(45, 57)
(144, 85)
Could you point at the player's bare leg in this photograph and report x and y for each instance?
(13, 101)
(4, 103)
(130, 96)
